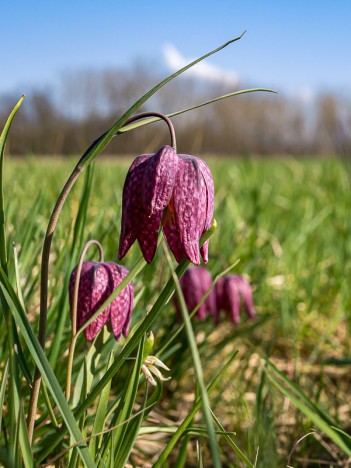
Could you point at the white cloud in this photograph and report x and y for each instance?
(175, 60)
(306, 95)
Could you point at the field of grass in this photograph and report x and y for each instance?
(288, 223)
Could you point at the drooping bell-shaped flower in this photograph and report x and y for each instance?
(230, 290)
(97, 282)
(171, 190)
(194, 283)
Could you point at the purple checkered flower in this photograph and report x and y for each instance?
(229, 290)
(97, 282)
(194, 283)
(171, 190)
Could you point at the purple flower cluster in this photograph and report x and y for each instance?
(227, 295)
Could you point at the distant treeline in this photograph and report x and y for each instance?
(64, 121)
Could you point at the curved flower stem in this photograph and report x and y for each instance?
(47, 248)
(161, 116)
(73, 341)
(44, 292)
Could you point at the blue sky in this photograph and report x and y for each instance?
(293, 46)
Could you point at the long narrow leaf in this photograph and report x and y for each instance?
(49, 406)
(100, 413)
(76, 246)
(287, 388)
(2, 391)
(3, 139)
(232, 444)
(206, 411)
(96, 148)
(41, 361)
(24, 439)
(298, 392)
(134, 429)
(150, 120)
(128, 399)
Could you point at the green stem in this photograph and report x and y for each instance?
(72, 346)
(73, 341)
(44, 293)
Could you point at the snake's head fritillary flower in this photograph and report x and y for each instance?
(194, 283)
(97, 282)
(230, 290)
(171, 190)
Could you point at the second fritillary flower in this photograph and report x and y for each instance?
(97, 282)
(194, 283)
(230, 290)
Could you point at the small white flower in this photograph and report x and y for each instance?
(149, 367)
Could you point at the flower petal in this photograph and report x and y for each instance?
(159, 179)
(173, 240)
(148, 233)
(246, 294)
(219, 291)
(195, 282)
(121, 305)
(93, 290)
(206, 173)
(231, 299)
(132, 204)
(189, 205)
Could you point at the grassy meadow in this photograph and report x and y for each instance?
(287, 221)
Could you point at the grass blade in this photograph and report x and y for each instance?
(134, 429)
(189, 418)
(3, 139)
(100, 414)
(2, 390)
(232, 444)
(297, 391)
(49, 406)
(24, 439)
(206, 411)
(18, 276)
(128, 400)
(306, 406)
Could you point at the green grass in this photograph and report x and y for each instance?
(288, 223)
